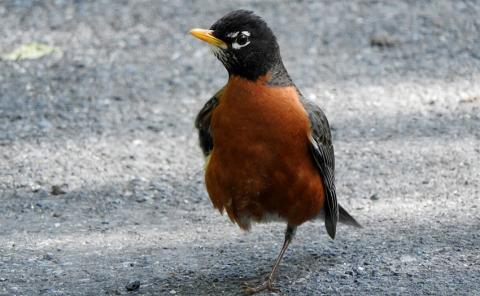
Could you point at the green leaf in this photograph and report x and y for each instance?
(30, 51)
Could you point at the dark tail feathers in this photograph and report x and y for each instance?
(345, 218)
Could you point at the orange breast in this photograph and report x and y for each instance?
(261, 166)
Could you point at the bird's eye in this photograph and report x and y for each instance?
(242, 39)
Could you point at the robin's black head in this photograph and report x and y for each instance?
(244, 43)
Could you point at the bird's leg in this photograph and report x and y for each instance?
(268, 284)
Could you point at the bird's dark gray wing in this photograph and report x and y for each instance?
(202, 123)
(322, 151)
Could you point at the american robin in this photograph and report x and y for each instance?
(269, 153)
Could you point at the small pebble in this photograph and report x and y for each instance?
(57, 190)
(133, 286)
(48, 257)
(141, 199)
(382, 41)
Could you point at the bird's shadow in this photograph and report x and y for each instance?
(233, 277)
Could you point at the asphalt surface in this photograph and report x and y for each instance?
(101, 181)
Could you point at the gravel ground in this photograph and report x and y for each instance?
(101, 180)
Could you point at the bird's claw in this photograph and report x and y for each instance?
(267, 285)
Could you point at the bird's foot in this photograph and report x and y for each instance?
(267, 285)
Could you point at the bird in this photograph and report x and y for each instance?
(268, 150)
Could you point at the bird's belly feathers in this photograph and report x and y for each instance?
(260, 167)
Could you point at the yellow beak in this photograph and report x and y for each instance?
(207, 36)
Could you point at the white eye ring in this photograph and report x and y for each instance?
(235, 44)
